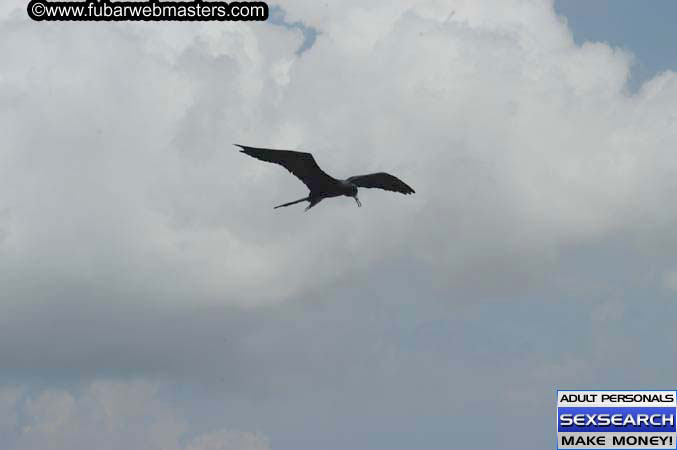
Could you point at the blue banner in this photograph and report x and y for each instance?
(616, 419)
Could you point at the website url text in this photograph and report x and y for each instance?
(150, 10)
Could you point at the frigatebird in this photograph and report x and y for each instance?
(321, 185)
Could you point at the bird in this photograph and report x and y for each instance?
(321, 185)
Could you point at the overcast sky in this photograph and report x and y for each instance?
(151, 298)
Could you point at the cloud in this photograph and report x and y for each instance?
(229, 440)
(277, 17)
(9, 397)
(126, 179)
(110, 415)
(135, 241)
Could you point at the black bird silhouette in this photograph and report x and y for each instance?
(321, 185)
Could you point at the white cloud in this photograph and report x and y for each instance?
(9, 396)
(109, 415)
(118, 165)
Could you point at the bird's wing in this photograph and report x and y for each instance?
(301, 164)
(382, 180)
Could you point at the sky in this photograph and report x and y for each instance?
(152, 298)
(644, 30)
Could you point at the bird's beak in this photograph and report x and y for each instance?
(358, 201)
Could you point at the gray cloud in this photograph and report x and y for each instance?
(136, 243)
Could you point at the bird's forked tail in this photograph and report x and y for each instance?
(305, 199)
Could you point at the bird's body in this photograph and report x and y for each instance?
(321, 185)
